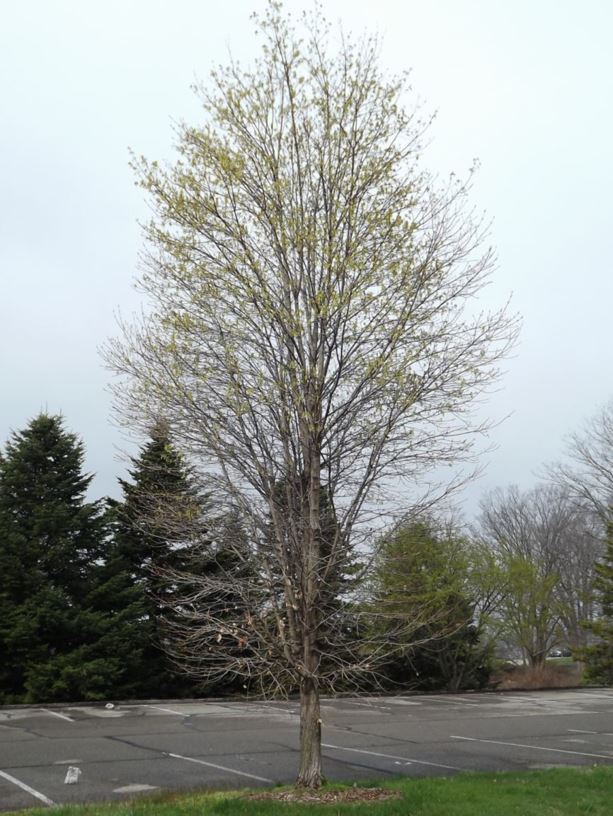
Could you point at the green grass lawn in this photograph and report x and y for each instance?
(556, 792)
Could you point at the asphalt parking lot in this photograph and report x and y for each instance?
(144, 748)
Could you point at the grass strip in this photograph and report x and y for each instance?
(584, 791)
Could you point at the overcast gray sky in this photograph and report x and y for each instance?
(527, 87)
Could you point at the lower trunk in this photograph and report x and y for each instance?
(309, 773)
(537, 661)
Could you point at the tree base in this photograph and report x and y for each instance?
(312, 781)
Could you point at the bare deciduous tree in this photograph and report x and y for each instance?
(579, 550)
(588, 475)
(312, 332)
(546, 549)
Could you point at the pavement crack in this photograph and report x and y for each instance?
(25, 730)
(124, 741)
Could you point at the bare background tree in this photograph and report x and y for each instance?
(312, 340)
(587, 473)
(545, 548)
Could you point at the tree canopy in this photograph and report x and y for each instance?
(312, 323)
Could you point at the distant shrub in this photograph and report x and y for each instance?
(537, 677)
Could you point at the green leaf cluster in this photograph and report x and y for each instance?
(423, 597)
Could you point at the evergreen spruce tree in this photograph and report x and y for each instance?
(51, 545)
(158, 528)
(599, 656)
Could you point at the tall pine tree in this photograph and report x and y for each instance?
(599, 656)
(158, 527)
(51, 544)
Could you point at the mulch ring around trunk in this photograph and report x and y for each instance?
(322, 796)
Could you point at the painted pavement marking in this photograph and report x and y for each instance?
(408, 760)
(57, 714)
(596, 733)
(169, 711)
(534, 747)
(221, 768)
(135, 788)
(27, 788)
(372, 706)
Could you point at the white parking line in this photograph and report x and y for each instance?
(27, 788)
(169, 710)
(535, 747)
(602, 694)
(222, 768)
(408, 760)
(372, 706)
(57, 714)
(596, 733)
(523, 698)
(273, 709)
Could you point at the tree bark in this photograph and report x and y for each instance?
(309, 773)
(537, 659)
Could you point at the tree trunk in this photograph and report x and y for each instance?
(537, 659)
(309, 774)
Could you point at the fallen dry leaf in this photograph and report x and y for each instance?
(324, 796)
